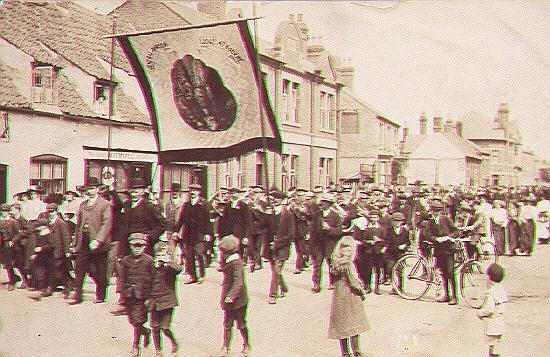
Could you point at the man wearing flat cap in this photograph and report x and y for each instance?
(396, 242)
(92, 242)
(325, 234)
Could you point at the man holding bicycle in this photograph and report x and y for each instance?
(441, 231)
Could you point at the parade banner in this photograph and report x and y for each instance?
(203, 90)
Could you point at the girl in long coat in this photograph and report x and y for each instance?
(347, 315)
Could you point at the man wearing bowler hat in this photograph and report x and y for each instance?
(197, 231)
(92, 242)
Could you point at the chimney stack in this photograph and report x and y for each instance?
(345, 73)
(458, 128)
(423, 124)
(405, 134)
(437, 123)
(449, 126)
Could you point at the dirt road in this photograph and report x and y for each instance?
(295, 326)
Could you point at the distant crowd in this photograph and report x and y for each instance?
(51, 242)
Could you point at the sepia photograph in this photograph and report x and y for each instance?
(274, 178)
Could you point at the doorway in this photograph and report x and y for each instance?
(3, 183)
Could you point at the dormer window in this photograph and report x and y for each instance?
(102, 92)
(43, 83)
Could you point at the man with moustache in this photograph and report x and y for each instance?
(92, 242)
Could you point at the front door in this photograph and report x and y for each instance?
(3, 183)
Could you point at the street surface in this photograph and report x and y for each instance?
(295, 326)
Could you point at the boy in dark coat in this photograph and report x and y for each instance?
(163, 297)
(234, 296)
(136, 275)
(60, 240)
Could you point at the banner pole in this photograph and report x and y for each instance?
(111, 98)
(265, 157)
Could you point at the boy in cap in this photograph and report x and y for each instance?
(163, 297)
(493, 309)
(136, 274)
(234, 295)
(397, 242)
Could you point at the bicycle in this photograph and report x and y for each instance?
(413, 274)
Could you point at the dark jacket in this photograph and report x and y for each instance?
(444, 227)
(195, 220)
(60, 238)
(163, 292)
(136, 276)
(393, 241)
(143, 218)
(98, 219)
(367, 242)
(234, 285)
(286, 232)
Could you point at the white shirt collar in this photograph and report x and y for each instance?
(232, 257)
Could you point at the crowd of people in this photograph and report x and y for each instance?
(52, 242)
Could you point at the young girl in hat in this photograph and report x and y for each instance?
(492, 311)
(347, 315)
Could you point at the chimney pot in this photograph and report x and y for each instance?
(423, 124)
(437, 124)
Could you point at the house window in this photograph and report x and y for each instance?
(330, 171)
(330, 111)
(176, 173)
(380, 135)
(43, 83)
(295, 102)
(226, 166)
(326, 167)
(350, 123)
(121, 172)
(321, 170)
(49, 172)
(285, 102)
(260, 159)
(241, 169)
(294, 171)
(323, 110)
(102, 92)
(284, 171)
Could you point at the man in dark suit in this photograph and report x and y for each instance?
(440, 230)
(325, 234)
(140, 216)
(195, 219)
(92, 242)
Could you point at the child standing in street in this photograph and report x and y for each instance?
(234, 296)
(347, 318)
(163, 297)
(492, 311)
(136, 283)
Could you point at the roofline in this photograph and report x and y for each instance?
(97, 120)
(378, 114)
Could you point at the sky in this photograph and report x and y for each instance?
(441, 57)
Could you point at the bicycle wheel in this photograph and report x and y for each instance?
(411, 276)
(473, 283)
(488, 252)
